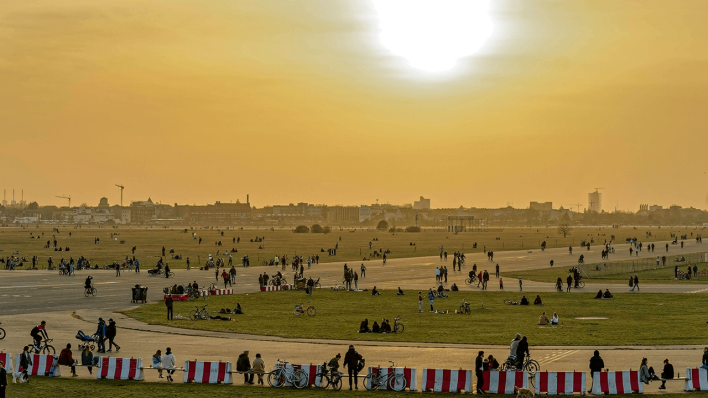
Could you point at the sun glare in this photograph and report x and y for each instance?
(433, 34)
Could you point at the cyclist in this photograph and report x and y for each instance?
(522, 350)
(37, 333)
(87, 283)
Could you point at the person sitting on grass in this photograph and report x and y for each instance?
(400, 292)
(364, 327)
(238, 309)
(440, 288)
(543, 319)
(385, 326)
(375, 292)
(607, 294)
(376, 328)
(599, 294)
(524, 301)
(666, 374)
(537, 301)
(554, 319)
(454, 287)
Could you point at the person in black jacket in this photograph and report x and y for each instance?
(479, 372)
(521, 351)
(351, 359)
(667, 373)
(596, 364)
(111, 335)
(3, 379)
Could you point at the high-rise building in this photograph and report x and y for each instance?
(595, 202)
(422, 204)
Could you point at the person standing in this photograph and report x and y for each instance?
(3, 379)
(168, 363)
(169, 302)
(244, 365)
(479, 372)
(259, 368)
(101, 333)
(363, 271)
(596, 364)
(187, 263)
(522, 350)
(232, 273)
(521, 288)
(569, 281)
(356, 281)
(431, 298)
(636, 282)
(498, 268)
(445, 273)
(111, 331)
(351, 359)
(501, 284)
(117, 269)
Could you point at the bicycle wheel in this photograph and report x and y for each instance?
(532, 367)
(507, 302)
(2, 333)
(311, 311)
(398, 328)
(322, 381)
(297, 310)
(204, 315)
(93, 291)
(581, 284)
(336, 382)
(397, 383)
(300, 379)
(370, 383)
(194, 315)
(277, 378)
(468, 281)
(48, 350)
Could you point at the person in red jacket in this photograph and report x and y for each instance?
(67, 359)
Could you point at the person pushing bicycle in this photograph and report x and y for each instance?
(38, 332)
(334, 364)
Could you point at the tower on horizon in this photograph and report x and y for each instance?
(595, 201)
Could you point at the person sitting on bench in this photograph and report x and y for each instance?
(607, 294)
(524, 301)
(538, 301)
(599, 294)
(666, 374)
(375, 292)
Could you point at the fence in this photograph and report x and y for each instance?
(599, 270)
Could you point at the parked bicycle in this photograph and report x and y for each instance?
(44, 348)
(377, 379)
(310, 310)
(89, 291)
(2, 333)
(338, 288)
(465, 307)
(440, 294)
(199, 313)
(530, 365)
(328, 377)
(397, 327)
(282, 375)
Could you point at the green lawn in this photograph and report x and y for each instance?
(339, 314)
(281, 241)
(659, 275)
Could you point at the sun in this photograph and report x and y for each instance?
(433, 34)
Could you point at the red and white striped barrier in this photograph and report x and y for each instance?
(311, 371)
(42, 365)
(221, 292)
(207, 372)
(496, 382)
(178, 297)
(560, 383)
(446, 380)
(696, 379)
(112, 368)
(7, 360)
(276, 288)
(612, 383)
(408, 373)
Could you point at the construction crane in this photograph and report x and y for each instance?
(577, 206)
(121, 194)
(66, 197)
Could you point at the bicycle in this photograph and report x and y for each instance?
(89, 291)
(471, 280)
(397, 327)
(465, 307)
(299, 310)
(281, 375)
(328, 378)
(44, 348)
(376, 380)
(199, 313)
(530, 365)
(441, 294)
(2, 333)
(509, 302)
(338, 288)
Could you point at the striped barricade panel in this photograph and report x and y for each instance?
(560, 383)
(446, 380)
(624, 382)
(270, 288)
(113, 368)
(408, 373)
(221, 292)
(178, 297)
(696, 379)
(7, 360)
(497, 382)
(42, 365)
(288, 287)
(207, 372)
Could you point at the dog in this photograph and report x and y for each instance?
(524, 392)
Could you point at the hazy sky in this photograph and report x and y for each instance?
(196, 101)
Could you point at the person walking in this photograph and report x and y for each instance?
(168, 302)
(356, 281)
(168, 363)
(232, 273)
(351, 359)
(111, 331)
(596, 364)
(67, 359)
(498, 268)
(521, 288)
(117, 269)
(244, 365)
(363, 271)
(87, 358)
(636, 282)
(479, 372)
(420, 301)
(569, 281)
(101, 333)
(501, 284)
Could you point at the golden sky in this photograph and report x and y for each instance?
(195, 101)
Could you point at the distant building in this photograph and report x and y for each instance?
(595, 202)
(545, 206)
(422, 204)
(656, 208)
(142, 211)
(216, 214)
(343, 214)
(103, 203)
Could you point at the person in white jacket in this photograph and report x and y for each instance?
(168, 363)
(514, 345)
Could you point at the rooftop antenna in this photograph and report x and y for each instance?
(121, 194)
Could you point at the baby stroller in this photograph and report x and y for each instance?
(86, 340)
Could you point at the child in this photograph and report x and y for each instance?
(501, 284)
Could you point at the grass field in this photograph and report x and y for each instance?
(44, 387)
(659, 275)
(354, 243)
(339, 314)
